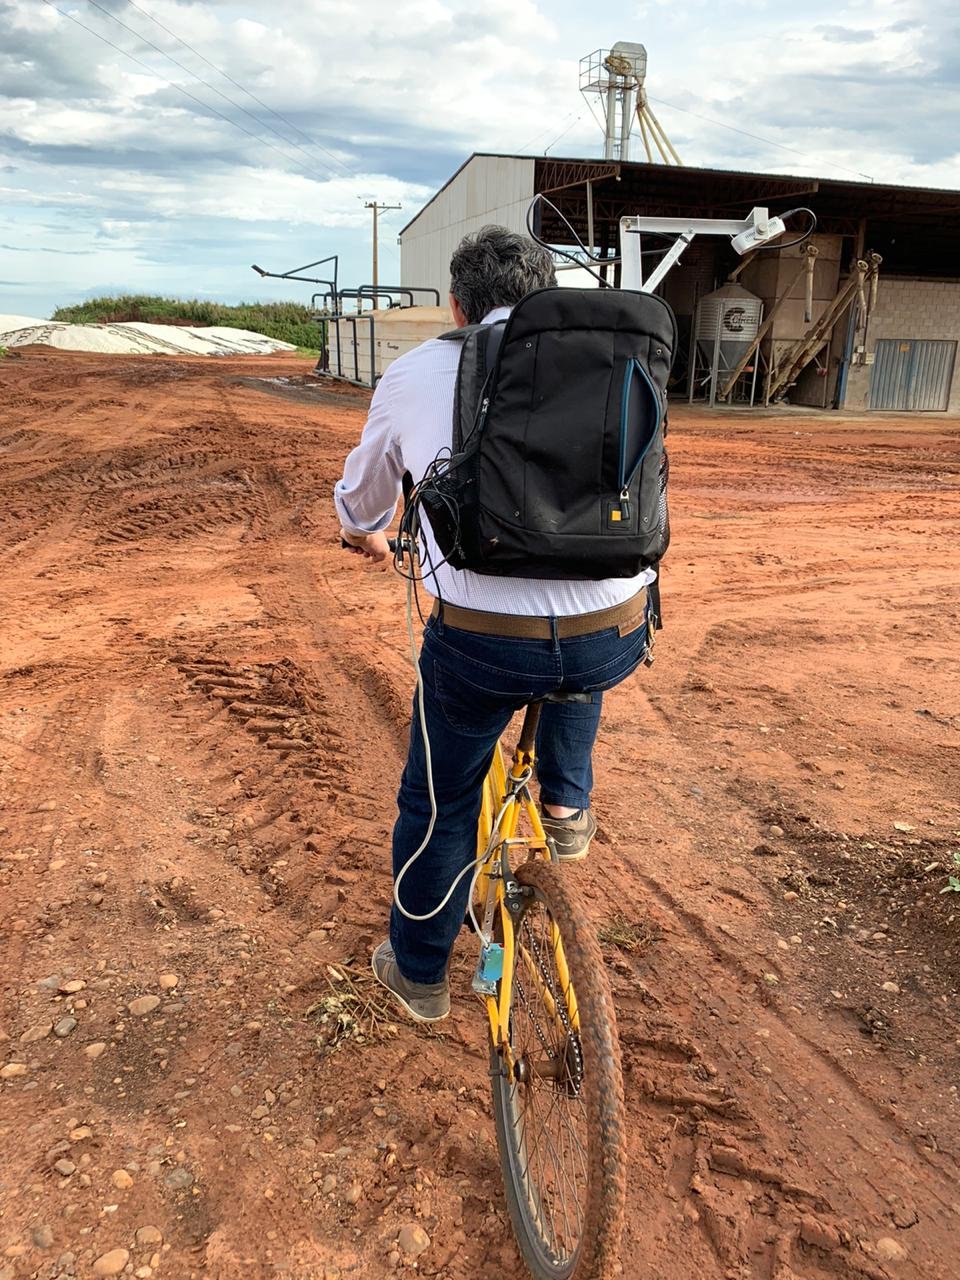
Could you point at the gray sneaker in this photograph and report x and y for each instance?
(572, 835)
(425, 1002)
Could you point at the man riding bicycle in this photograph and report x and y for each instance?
(490, 646)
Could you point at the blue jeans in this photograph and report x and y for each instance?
(473, 684)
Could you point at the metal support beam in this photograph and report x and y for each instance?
(294, 272)
(745, 234)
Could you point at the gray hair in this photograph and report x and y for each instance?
(495, 267)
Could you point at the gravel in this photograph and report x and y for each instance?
(38, 1032)
(413, 1240)
(42, 1236)
(143, 1005)
(112, 1263)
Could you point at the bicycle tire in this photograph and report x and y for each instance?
(597, 1090)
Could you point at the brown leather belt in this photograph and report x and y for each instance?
(626, 617)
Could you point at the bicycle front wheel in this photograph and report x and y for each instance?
(559, 1108)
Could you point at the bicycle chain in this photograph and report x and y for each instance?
(573, 1038)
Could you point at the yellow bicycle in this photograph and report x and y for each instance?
(554, 1052)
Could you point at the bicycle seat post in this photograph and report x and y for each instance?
(528, 734)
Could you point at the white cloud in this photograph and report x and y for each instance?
(393, 96)
(239, 195)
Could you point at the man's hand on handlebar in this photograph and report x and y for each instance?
(375, 546)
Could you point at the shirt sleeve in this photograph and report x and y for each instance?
(367, 496)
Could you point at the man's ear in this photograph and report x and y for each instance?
(459, 315)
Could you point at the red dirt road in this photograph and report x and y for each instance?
(202, 718)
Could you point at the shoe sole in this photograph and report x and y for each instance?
(417, 1017)
(574, 857)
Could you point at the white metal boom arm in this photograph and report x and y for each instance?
(754, 230)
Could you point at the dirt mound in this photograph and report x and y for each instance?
(202, 722)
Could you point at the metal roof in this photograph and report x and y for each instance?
(917, 229)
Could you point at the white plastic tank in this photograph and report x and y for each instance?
(395, 332)
(733, 314)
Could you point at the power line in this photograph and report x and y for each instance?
(562, 135)
(219, 70)
(219, 92)
(377, 208)
(756, 137)
(537, 136)
(179, 87)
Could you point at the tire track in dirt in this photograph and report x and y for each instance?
(672, 1083)
(802, 1067)
(229, 763)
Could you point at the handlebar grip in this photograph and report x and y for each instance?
(392, 543)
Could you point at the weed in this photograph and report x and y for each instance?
(354, 1010)
(953, 883)
(620, 932)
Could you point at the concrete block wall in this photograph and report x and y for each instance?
(909, 309)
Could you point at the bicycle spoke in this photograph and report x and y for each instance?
(548, 1111)
(559, 1111)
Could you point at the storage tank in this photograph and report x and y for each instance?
(733, 313)
(394, 332)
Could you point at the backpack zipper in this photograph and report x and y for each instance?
(627, 480)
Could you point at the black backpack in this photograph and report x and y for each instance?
(558, 466)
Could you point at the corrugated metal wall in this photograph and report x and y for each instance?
(912, 374)
(488, 189)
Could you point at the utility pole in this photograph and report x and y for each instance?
(377, 210)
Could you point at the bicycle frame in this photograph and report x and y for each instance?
(506, 802)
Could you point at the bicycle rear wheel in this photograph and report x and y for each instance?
(559, 1113)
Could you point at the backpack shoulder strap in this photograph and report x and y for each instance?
(478, 357)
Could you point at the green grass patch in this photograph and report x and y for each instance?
(288, 321)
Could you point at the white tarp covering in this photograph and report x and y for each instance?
(137, 339)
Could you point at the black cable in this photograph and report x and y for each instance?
(663, 235)
(410, 528)
(775, 248)
(219, 70)
(410, 523)
(200, 80)
(180, 89)
(562, 252)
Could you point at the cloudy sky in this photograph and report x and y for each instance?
(120, 170)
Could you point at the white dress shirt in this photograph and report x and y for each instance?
(409, 423)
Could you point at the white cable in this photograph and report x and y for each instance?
(476, 863)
